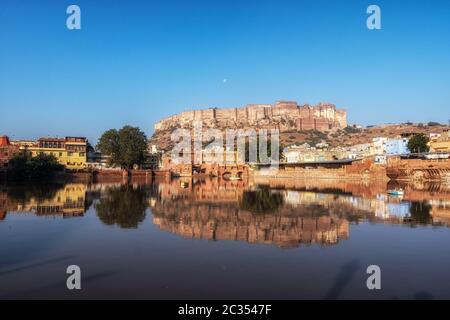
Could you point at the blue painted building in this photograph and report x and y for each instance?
(396, 146)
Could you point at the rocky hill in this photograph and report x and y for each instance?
(351, 135)
(286, 116)
(336, 137)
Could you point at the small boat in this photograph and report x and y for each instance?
(232, 177)
(396, 192)
(184, 184)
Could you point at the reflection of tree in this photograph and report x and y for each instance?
(124, 206)
(261, 201)
(420, 213)
(41, 192)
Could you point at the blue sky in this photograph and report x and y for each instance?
(134, 62)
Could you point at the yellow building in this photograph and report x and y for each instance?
(441, 144)
(69, 151)
(22, 144)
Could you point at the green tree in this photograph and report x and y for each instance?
(126, 147)
(109, 144)
(418, 143)
(24, 166)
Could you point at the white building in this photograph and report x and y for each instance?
(379, 145)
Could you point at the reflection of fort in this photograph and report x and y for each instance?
(66, 201)
(210, 210)
(270, 211)
(312, 212)
(206, 190)
(229, 223)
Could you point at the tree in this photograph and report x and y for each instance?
(89, 148)
(24, 166)
(418, 143)
(109, 144)
(126, 147)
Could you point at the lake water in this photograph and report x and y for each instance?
(211, 239)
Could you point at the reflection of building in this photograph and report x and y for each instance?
(68, 201)
(217, 191)
(69, 151)
(385, 208)
(4, 205)
(440, 211)
(7, 150)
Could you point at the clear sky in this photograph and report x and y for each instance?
(134, 62)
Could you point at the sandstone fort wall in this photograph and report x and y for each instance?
(283, 115)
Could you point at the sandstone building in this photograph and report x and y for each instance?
(7, 151)
(283, 115)
(69, 151)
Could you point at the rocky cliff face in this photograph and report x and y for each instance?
(287, 116)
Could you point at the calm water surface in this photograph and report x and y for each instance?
(274, 239)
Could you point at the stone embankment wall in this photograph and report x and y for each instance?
(362, 169)
(418, 169)
(367, 169)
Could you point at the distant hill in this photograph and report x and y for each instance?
(351, 135)
(286, 116)
(336, 137)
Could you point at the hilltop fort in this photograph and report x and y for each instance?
(283, 115)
